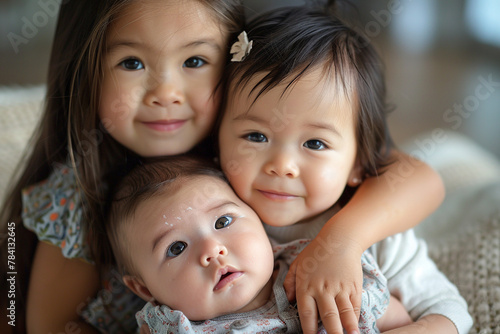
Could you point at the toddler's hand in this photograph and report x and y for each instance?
(327, 278)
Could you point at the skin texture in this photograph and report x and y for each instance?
(158, 89)
(287, 164)
(182, 241)
(54, 278)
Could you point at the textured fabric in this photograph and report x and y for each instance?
(415, 280)
(472, 261)
(276, 316)
(113, 310)
(52, 209)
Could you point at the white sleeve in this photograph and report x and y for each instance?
(413, 278)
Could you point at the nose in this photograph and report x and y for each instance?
(165, 91)
(282, 164)
(211, 250)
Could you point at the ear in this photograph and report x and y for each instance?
(355, 176)
(138, 287)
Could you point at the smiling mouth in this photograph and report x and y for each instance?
(277, 196)
(226, 276)
(165, 125)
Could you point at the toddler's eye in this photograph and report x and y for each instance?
(194, 62)
(176, 248)
(315, 144)
(256, 137)
(132, 64)
(222, 222)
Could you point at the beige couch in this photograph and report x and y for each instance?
(463, 235)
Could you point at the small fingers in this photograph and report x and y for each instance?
(356, 304)
(337, 314)
(349, 314)
(290, 283)
(307, 313)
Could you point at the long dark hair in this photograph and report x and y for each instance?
(289, 42)
(70, 132)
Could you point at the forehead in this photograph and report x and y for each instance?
(173, 16)
(194, 192)
(319, 89)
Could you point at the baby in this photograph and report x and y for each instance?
(200, 256)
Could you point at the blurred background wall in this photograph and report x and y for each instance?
(442, 58)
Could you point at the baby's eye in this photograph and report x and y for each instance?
(132, 64)
(176, 248)
(315, 144)
(223, 221)
(194, 62)
(256, 137)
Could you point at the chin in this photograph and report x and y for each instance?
(278, 221)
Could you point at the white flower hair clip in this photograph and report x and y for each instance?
(241, 48)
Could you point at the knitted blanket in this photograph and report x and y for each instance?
(472, 262)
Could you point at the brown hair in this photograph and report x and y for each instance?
(70, 132)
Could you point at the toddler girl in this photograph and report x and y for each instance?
(304, 117)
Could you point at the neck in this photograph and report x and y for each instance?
(262, 297)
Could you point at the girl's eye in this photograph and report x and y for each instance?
(176, 248)
(222, 222)
(315, 144)
(256, 137)
(194, 62)
(132, 64)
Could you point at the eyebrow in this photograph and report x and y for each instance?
(248, 117)
(133, 44)
(221, 205)
(162, 235)
(215, 207)
(316, 125)
(324, 126)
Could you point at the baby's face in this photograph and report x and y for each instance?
(289, 156)
(201, 250)
(162, 63)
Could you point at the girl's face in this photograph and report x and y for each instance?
(289, 157)
(199, 249)
(163, 61)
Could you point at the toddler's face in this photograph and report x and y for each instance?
(162, 64)
(201, 250)
(289, 157)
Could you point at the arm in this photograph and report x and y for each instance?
(407, 192)
(59, 288)
(430, 324)
(416, 281)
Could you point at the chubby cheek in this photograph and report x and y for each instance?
(240, 184)
(325, 189)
